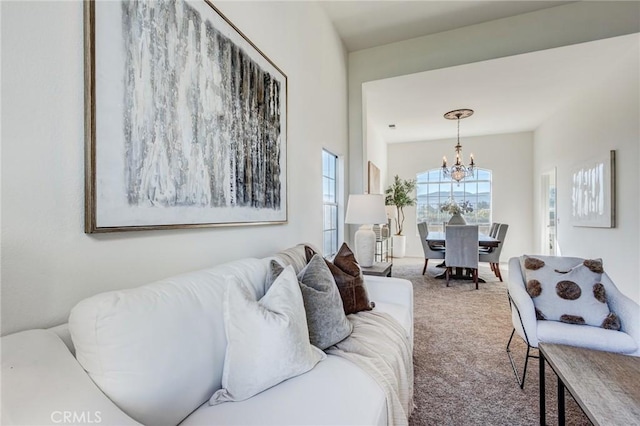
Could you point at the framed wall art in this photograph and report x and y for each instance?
(374, 185)
(186, 120)
(593, 189)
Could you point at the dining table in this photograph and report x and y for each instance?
(438, 239)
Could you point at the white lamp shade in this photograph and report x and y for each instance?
(366, 209)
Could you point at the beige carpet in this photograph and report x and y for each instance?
(462, 373)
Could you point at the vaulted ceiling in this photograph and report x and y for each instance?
(511, 94)
(364, 24)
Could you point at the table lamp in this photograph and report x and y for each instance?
(365, 210)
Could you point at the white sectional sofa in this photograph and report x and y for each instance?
(161, 353)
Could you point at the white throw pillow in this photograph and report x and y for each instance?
(267, 340)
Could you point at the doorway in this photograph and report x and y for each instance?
(549, 221)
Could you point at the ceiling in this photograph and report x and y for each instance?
(511, 94)
(364, 24)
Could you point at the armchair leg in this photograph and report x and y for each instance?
(513, 364)
(447, 272)
(425, 266)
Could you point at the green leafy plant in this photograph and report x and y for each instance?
(400, 194)
(452, 207)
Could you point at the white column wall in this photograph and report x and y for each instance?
(377, 153)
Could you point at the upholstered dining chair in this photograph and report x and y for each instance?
(494, 229)
(429, 252)
(533, 330)
(461, 249)
(492, 256)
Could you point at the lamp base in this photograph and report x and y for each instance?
(365, 241)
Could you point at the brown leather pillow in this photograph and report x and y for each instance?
(348, 277)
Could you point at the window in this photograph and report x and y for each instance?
(433, 190)
(330, 203)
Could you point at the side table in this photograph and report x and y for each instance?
(379, 269)
(605, 385)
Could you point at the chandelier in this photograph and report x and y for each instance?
(458, 171)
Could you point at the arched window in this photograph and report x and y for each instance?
(433, 190)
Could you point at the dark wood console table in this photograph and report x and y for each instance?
(380, 269)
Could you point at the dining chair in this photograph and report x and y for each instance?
(429, 252)
(494, 229)
(461, 249)
(492, 256)
(493, 233)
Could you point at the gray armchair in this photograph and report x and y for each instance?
(492, 256)
(461, 249)
(429, 252)
(534, 331)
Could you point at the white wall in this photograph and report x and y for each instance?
(48, 263)
(377, 152)
(511, 189)
(605, 117)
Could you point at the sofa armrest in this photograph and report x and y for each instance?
(390, 290)
(394, 291)
(43, 384)
(523, 312)
(627, 310)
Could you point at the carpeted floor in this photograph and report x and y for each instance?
(462, 373)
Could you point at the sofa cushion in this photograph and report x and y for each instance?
(267, 340)
(335, 392)
(158, 350)
(573, 295)
(348, 277)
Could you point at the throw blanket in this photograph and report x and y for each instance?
(379, 345)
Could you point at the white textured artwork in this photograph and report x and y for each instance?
(592, 189)
(190, 119)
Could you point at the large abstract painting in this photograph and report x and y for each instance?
(186, 120)
(593, 192)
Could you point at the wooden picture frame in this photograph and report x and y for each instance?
(186, 120)
(593, 192)
(374, 186)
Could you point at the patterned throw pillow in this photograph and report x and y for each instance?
(348, 277)
(575, 296)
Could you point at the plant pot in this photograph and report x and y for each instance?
(457, 219)
(399, 245)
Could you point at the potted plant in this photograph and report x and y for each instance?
(400, 195)
(456, 210)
